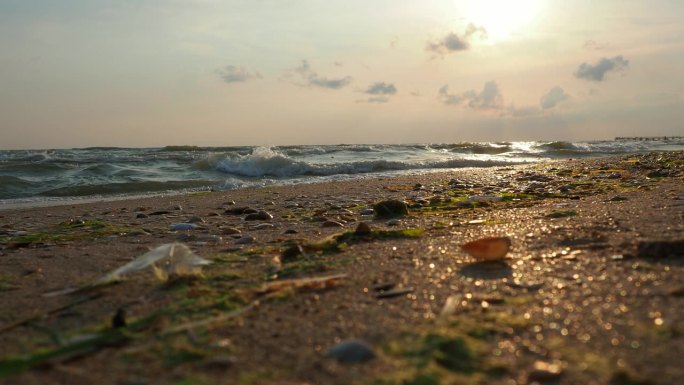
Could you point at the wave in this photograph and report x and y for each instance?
(125, 188)
(265, 162)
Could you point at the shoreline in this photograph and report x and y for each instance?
(586, 295)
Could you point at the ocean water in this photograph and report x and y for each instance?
(66, 174)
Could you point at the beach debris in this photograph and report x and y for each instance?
(182, 226)
(259, 216)
(394, 292)
(314, 283)
(168, 260)
(545, 371)
(390, 209)
(331, 223)
(363, 229)
(351, 352)
(660, 249)
(488, 249)
(451, 305)
(119, 319)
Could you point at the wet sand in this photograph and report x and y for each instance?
(590, 293)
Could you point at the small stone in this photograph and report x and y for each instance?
(137, 232)
(178, 207)
(545, 371)
(259, 216)
(347, 218)
(229, 203)
(141, 215)
(182, 226)
(160, 212)
(263, 226)
(119, 319)
(291, 231)
(390, 209)
(332, 224)
(367, 212)
(245, 240)
(230, 231)
(195, 219)
(393, 222)
(351, 352)
(363, 229)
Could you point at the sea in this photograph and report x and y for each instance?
(39, 177)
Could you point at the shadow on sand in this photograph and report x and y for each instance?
(487, 270)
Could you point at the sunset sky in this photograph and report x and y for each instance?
(268, 72)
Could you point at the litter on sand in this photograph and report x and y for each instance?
(168, 260)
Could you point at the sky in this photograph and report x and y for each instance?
(137, 73)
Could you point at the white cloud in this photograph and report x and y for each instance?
(236, 74)
(311, 79)
(489, 98)
(552, 98)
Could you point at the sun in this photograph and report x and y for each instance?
(501, 18)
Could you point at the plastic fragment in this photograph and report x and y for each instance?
(168, 260)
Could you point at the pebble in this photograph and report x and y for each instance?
(347, 218)
(182, 226)
(351, 352)
(259, 216)
(390, 208)
(230, 231)
(291, 231)
(195, 219)
(245, 240)
(160, 212)
(141, 215)
(393, 222)
(263, 226)
(332, 224)
(367, 212)
(363, 229)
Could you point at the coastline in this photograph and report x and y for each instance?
(577, 291)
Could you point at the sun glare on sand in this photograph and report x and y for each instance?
(501, 18)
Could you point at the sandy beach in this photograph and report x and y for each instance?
(591, 292)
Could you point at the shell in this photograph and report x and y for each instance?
(488, 249)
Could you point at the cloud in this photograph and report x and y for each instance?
(236, 74)
(374, 99)
(597, 72)
(381, 88)
(552, 98)
(455, 43)
(593, 46)
(311, 79)
(489, 98)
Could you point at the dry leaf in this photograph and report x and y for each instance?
(488, 249)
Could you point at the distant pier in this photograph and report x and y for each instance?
(649, 137)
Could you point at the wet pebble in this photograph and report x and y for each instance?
(351, 352)
(141, 215)
(363, 229)
(390, 208)
(367, 212)
(332, 224)
(230, 231)
(195, 219)
(259, 216)
(245, 240)
(263, 226)
(182, 226)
